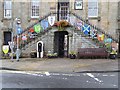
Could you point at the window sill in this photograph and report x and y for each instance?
(32, 19)
(92, 18)
(5, 19)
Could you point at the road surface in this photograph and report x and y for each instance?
(22, 79)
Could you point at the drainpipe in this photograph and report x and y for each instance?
(11, 43)
(119, 45)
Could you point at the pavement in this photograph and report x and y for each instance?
(61, 65)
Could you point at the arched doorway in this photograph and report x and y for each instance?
(61, 45)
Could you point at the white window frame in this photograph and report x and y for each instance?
(64, 9)
(36, 5)
(92, 8)
(8, 9)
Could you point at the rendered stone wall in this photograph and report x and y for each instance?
(107, 12)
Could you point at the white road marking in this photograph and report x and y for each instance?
(87, 81)
(105, 75)
(108, 75)
(22, 72)
(89, 74)
(114, 85)
(70, 75)
(67, 74)
(38, 73)
(47, 73)
(92, 76)
(112, 75)
(55, 74)
(64, 78)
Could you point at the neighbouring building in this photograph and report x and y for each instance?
(105, 14)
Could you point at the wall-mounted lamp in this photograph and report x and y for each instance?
(99, 18)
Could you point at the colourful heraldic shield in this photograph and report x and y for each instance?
(37, 28)
(5, 49)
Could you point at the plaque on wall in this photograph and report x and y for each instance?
(78, 4)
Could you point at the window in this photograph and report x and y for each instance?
(35, 9)
(92, 8)
(64, 11)
(7, 8)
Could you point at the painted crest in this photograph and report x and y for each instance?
(51, 20)
(5, 49)
(24, 38)
(37, 28)
(19, 30)
(44, 24)
(86, 29)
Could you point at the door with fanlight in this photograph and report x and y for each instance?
(63, 11)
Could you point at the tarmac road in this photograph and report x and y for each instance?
(60, 73)
(22, 79)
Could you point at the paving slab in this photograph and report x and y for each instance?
(61, 65)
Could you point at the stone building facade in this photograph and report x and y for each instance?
(106, 12)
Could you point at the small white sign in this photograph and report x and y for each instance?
(40, 49)
(78, 5)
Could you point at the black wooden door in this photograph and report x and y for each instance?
(56, 42)
(61, 44)
(59, 38)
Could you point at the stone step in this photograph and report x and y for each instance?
(86, 40)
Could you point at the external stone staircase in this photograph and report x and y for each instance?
(86, 43)
(47, 37)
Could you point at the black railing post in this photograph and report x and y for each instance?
(119, 45)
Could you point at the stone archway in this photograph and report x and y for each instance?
(61, 45)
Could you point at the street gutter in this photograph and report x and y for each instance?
(108, 71)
